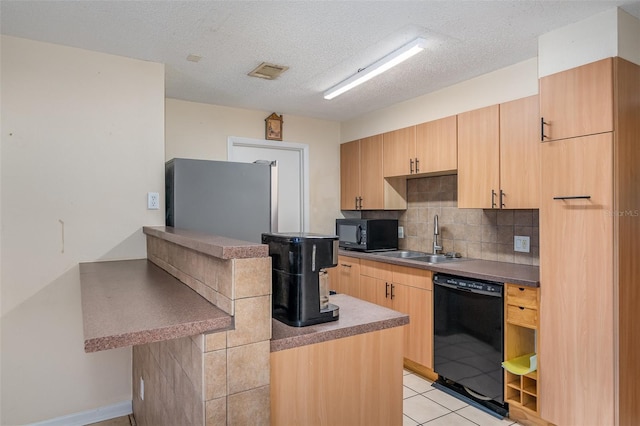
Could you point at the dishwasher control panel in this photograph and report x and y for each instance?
(471, 284)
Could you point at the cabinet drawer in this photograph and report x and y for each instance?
(379, 270)
(522, 296)
(412, 277)
(522, 316)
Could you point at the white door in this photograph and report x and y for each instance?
(293, 176)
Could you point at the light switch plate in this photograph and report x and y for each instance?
(521, 244)
(400, 231)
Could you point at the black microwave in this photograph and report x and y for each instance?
(367, 234)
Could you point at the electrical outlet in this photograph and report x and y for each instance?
(141, 388)
(400, 231)
(521, 244)
(153, 201)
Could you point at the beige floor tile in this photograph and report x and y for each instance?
(480, 417)
(406, 421)
(416, 383)
(451, 419)
(446, 400)
(421, 409)
(408, 392)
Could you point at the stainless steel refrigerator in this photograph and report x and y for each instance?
(235, 200)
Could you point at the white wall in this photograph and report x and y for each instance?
(611, 33)
(82, 143)
(196, 130)
(513, 82)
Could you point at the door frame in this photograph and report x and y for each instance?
(234, 142)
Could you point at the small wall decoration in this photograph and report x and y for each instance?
(273, 127)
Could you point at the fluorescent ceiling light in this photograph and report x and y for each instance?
(378, 67)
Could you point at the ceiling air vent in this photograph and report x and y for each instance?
(268, 71)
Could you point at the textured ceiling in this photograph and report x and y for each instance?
(323, 43)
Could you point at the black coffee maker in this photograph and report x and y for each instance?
(299, 277)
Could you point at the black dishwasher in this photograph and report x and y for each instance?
(468, 340)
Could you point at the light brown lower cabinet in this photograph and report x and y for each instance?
(345, 278)
(407, 290)
(351, 381)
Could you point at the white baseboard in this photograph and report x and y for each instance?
(90, 416)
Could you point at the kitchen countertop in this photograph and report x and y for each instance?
(356, 317)
(213, 245)
(133, 302)
(526, 275)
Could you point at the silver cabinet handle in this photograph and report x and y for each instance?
(345, 265)
(386, 291)
(411, 166)
(502, 195)
(493, 199)
(417, 165)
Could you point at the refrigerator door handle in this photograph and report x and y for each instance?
(274, 196)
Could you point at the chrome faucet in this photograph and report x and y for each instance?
(436, 232)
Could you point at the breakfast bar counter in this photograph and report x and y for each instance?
(134, 302)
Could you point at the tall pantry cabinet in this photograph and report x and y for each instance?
(590, 245)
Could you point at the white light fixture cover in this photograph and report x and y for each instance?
(378, 67)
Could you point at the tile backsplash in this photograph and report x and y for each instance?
(475, 233)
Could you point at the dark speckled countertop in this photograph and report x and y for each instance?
(356, 317)
(213, 245)
(472, 268)
(133, 302)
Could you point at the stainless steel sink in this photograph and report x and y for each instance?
(420, 256)
(402, 254)
(437, 258)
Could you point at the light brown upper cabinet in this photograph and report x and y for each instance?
(362, 186)
(479, 158)
(361, 181)
(349, 175)
(498, 156)
(399, 147)
(519, 154)
(437, 146)
(428, 148)
(577, 102)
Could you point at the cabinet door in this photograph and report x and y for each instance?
(520, 153)
(478, 158)
(418, 335)
(348, 276)
(371, 180)
(399, 150)
(437, 146)
(576, 268)
(349, 175)
(578, 102)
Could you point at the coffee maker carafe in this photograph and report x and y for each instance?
(299, 278)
